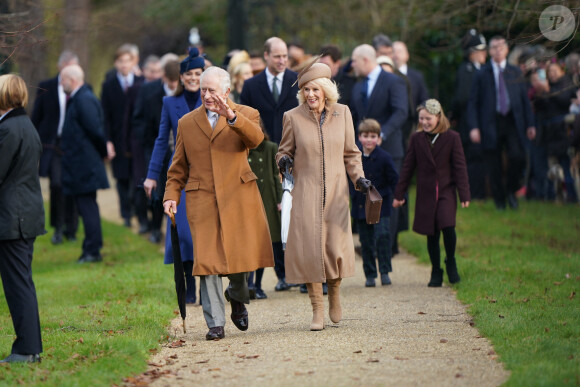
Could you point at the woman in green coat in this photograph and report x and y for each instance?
(262, 160)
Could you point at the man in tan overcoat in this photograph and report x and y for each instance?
(224, 209)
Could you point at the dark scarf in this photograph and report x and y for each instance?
(191, 98)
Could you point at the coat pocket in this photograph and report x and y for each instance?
(248, 176)
(192, 186)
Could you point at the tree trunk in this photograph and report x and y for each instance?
(76, 19)
(22, 41)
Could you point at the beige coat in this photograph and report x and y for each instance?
(320, 244)
(224, 209)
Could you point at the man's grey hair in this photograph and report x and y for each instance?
(223, 77)
(67, 57)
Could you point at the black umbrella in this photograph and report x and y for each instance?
(178, 273)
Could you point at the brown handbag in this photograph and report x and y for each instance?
(373, 205)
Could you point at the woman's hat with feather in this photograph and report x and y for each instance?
(313, 70)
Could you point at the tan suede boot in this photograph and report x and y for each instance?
(317, 301)
(335, 311)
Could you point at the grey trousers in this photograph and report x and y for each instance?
(212, 296)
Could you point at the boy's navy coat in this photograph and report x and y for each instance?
(380, 170)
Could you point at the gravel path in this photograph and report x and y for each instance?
(403, 334)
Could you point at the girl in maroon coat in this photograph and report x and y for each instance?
(437, 155)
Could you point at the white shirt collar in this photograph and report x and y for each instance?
(404, 68)
(130, 79)
(167, 90)
(270, 78)
(499, 66)
(374, 74)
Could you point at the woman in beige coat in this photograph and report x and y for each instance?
(318, 146)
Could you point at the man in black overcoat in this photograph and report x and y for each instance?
(118, 97)
(48, 118)
(84, 148)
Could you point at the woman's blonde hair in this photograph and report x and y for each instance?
(328, 87)
(13, 92)
(236, 74)
(432, 106)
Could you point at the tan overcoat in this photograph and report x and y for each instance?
(224, 209)
(320, 244)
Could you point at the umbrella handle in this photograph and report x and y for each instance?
(172, 216)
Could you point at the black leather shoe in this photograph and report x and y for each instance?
(512, 201)
(385, 280)
(88, 258)
(281, 286)
(215, 333)
(56, 238)
(370, 283)
(303, 289)
(239, 312)
(260, 295)
(16, 358)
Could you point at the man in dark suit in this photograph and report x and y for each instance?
(146, 119)
(500, 117)
(48, 118)
(273, 92)
(118, 96)
(84, 148)
(418, 88)
(382, 96)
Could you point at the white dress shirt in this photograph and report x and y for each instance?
(126, 81)
(270, 78)
(212, 118)
(404, 69)
(61, 108)
(373, 76)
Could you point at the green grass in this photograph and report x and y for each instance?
(520, 274)
(100, 322)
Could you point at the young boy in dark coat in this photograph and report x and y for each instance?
(435, 152)
(379, 168)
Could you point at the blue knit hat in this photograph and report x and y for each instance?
(193, 61)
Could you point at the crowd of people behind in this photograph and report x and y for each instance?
(516, 118)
